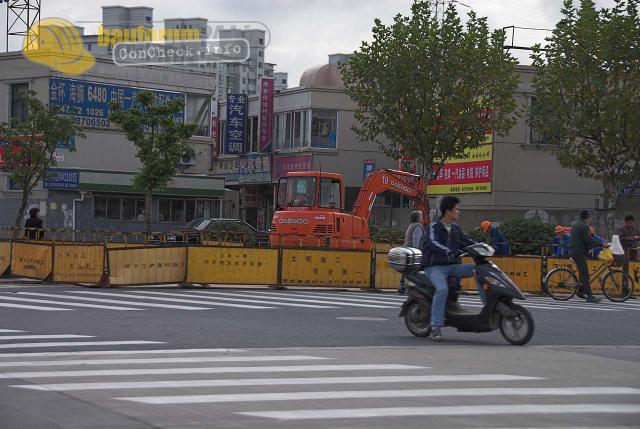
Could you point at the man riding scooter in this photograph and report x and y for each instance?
(444, 239)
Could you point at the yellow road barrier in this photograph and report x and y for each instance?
(386, 277)
(78, 263)
(33, 260)
(326, 268)
(5, 256)
(152, 265)
(232, 265)
(525, 271)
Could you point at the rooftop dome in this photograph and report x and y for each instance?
(322, 76)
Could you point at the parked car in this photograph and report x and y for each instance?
(228, 231)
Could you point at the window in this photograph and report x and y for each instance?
(254, 131)
(260, 42)
(330, 193)
(260, 53)
(19, 110)
(244, 80)
(298, 129)
(197, 111)
(323, 128)
(118, 208)
(535, 137)
(301, 191)
(283, 120)
(89, 47)
(259, 65)
(181, 211)
(284, 81)
(208, 208)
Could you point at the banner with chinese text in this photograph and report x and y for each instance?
(266, 114)
(236, 120)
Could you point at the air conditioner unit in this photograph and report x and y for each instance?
(187, 160)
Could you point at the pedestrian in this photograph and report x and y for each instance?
(498, 241)
(630, 239)
(32, 223)
(413, 237)
(580, 242)
(561, 242)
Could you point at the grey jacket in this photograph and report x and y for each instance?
(414, 235)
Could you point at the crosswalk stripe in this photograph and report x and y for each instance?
(478, 303)
(550, 306)
(582, 304)
(362, 300)
(117, 352)
(161, 360)
(190, 301)
(41, 337)
(33, 307)
(363, 394)
(114, 301)
(275, 382)
(209, 370)
(70, 304)
(2, 331)
(216, 298)
(74, 344)
(317, 301)
(462, 410)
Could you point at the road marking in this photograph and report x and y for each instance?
(70, 304)
(464, 410)
(209, 370)
(190, 301)
(363, 300)
(204, 296)
(275, 382)
(316, 301)
(364, 394)
(162, 360)
(41, 337)
(368, 319)
(114, 301)
(477, 303)
(118, 352)
(75, 344)
(9, 330)
(33, 307)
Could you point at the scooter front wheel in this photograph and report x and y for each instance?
(418, 319)
(518, 328)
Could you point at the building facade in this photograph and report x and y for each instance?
(92, 188)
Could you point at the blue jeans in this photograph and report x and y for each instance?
(437, 275)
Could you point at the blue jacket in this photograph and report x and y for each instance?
(499, 242)
(561, 249)
(438, 242)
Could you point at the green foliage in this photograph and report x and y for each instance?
(44, 128)
(527, 237)
(160, 139)
(428, 89)
(387, 235)
(587, 87)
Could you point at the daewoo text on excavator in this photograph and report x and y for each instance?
(311, 208)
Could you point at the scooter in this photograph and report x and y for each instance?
(498, 312)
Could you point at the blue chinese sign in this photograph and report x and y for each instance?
(236, 120)
(88, 102)
(254, 168)
(61, 178)
(367, 168)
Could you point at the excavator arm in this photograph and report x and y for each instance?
(391, 180)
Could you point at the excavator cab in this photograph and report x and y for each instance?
(314, 191)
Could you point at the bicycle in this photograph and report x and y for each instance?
(617, 285)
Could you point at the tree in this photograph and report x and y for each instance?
(31, 143)
(587, 94)
(160, 139)
(429, 90)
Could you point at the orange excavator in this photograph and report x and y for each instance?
(311, 208)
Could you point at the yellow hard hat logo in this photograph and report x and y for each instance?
(55, 42)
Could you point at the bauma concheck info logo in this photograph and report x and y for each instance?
(55, 42)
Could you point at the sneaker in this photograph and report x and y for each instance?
(593, 299)
(436, 334)
(402, 291)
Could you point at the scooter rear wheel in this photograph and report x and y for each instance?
(517, 329)
(418, 319)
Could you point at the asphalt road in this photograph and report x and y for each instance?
(73, 357)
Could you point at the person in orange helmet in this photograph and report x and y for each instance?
(561, 242)
(498, 240)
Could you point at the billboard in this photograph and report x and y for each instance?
(61, 178)
(236, 121)
(254, 168)
(88, 102)
(368, 166)
(266, 114)
(469, 174)
(284, 164)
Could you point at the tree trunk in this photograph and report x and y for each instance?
(19, 214)
(148, 202)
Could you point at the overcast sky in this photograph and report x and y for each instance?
(304, 32)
